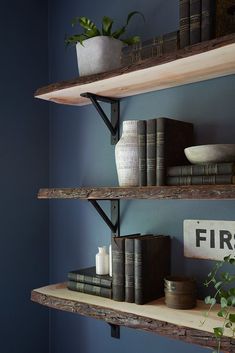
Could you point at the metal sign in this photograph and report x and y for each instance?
(209, 239)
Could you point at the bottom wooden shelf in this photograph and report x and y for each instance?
(154, 316)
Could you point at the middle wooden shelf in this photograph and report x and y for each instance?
(189, 192)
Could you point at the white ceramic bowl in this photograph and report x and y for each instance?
(210, 153)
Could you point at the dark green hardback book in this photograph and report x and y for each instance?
(118, 266)
(184, 23)
(207, 19)
(201, 169)
(90, 289)
(172, 136)
(195, 21)
(141, 130)
(151, 151)
(129, 270)
(89, 276)
(201, 180)
(151, 266)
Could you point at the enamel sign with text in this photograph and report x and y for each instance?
(209, 239)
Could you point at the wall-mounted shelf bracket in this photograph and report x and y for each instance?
(112, 123)
(115, 330)
(114, 222)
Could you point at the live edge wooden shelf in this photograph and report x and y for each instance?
(154, 317)
(203, 61)
(191, 192)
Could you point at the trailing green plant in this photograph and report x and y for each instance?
(224, 294)
(91, 30)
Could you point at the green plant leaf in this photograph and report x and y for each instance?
(223, 302)
(231, 300)
(107, 26)
(222, 313)
(232, 317)
(228, 324)
(131, 40)
(218, 284)
(72, 40)
(88, 25)
(218, 331)
(118, 33)
(231, 291)
(209, 300)
(131, 14)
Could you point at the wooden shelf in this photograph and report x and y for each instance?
(203, 61)
(154, 317)
(192, 192)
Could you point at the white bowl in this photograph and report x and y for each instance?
(210, 153)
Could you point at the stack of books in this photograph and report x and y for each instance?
(87, 281)
(202, 20)
(154, 47)
(161, 143)
(201, 174)
(140, 264)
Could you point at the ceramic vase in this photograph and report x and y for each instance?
(102, 261)
(126, 155)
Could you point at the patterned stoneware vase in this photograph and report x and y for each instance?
(126, 155)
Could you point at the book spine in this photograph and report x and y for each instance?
(207, 19)
(195, 21)
(201, 169)
(151, 151)
(160, 151)
(138, 271)
(118, 268)
(90, 289)
(141, 130)
(102, 282)
(201, 180)
(184, 23)
(129, 271)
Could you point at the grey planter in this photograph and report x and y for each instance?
(98, 54)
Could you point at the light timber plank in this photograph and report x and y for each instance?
(154, 316)
(203, 61)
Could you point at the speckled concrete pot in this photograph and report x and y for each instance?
(98, 54)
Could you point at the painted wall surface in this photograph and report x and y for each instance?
(81, 155)
(24, 127)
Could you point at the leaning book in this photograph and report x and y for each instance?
(89, 276)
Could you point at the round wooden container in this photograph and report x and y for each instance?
(180, 292)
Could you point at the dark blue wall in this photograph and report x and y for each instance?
(24, 144)
(81, 155)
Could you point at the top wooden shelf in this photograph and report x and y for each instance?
(203, 61)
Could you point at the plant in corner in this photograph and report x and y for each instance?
(99, 50)
(224, 293)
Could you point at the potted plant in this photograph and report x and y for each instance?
(99, 50)
(224, 293)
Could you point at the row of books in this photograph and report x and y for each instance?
(161, 143)
(202, 174)
(140, 264)
(155, 47)
(202, 20)
(87, 281)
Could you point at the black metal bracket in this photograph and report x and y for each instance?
(112, 123)
(115, 330)
(114, 222)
